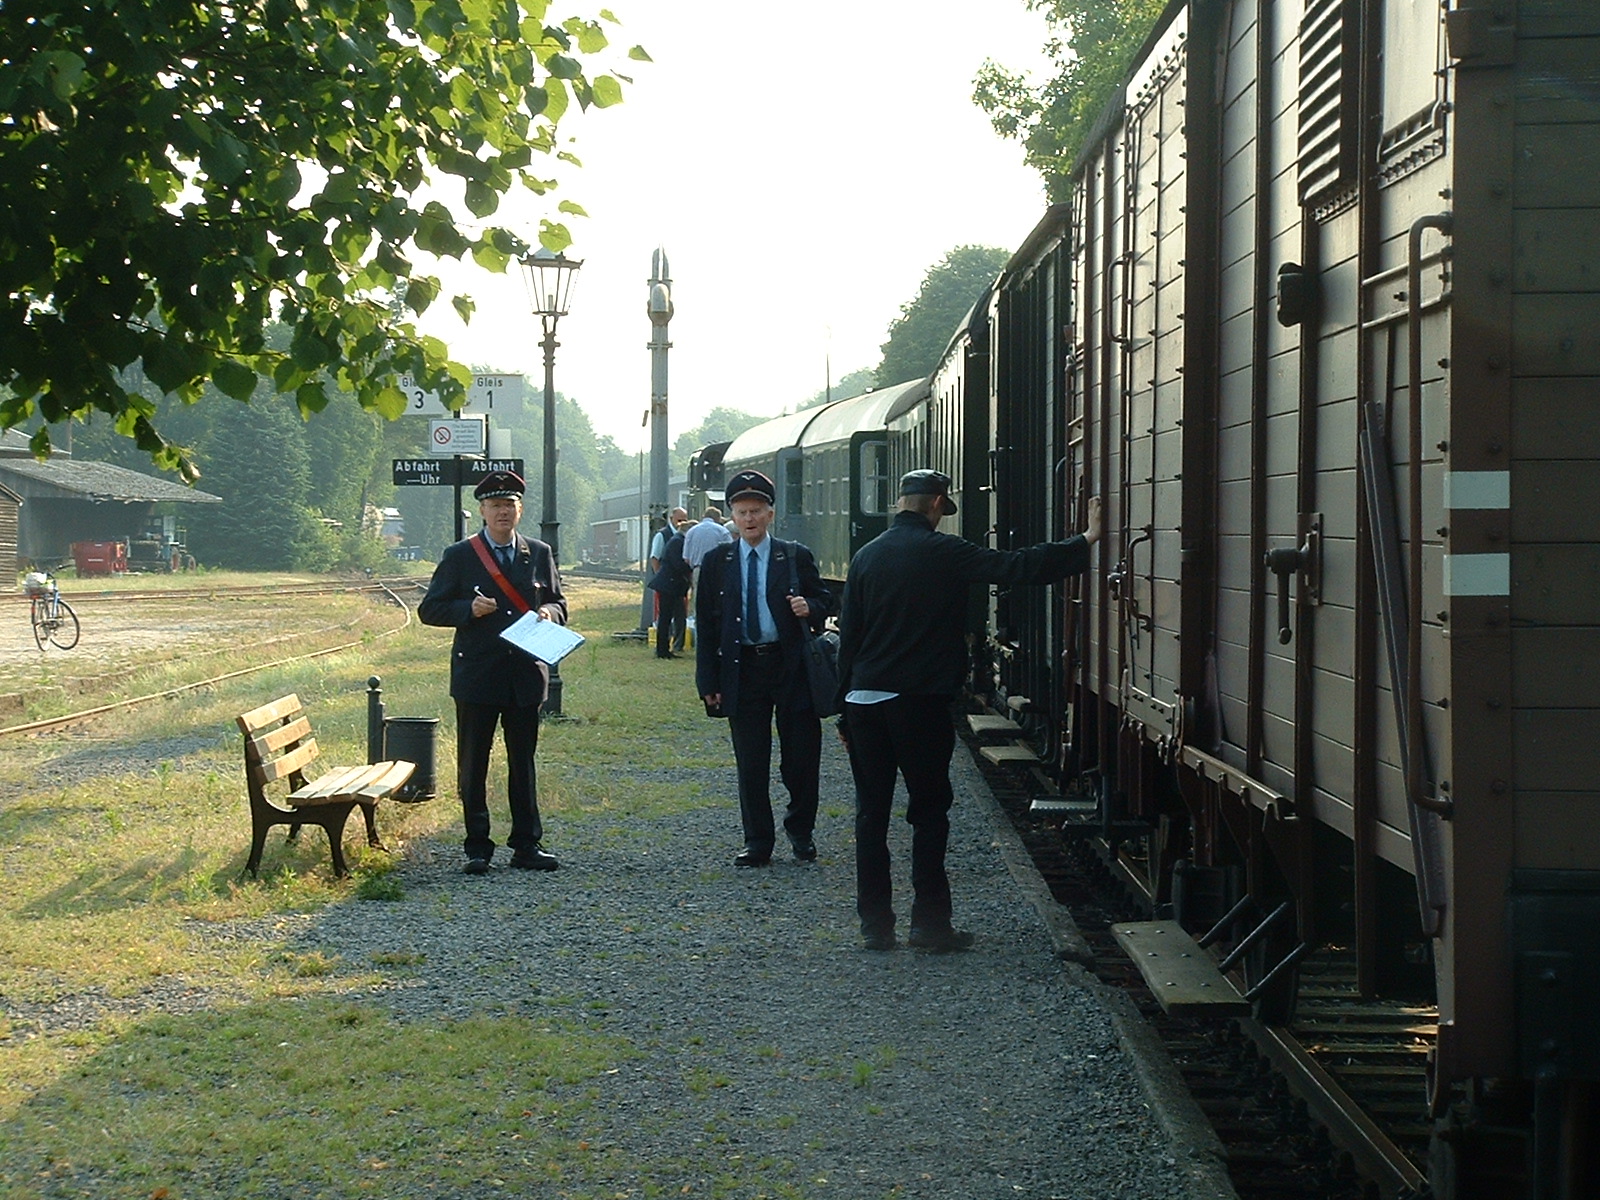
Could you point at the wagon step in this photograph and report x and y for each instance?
(1002, 755)
(1181, 976)
(992, 723)
(1056, 806)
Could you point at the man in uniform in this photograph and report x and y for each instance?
(902, 660)
(752, 595)
(670, 615)
(483, 584)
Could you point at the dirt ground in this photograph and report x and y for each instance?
(120, 633)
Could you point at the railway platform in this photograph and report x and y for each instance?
(762, 1031)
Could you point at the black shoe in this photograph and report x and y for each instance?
(476, 866)
(805, 850)
(940, 941)
(878, 941)
(751, 857)
(666, 656)
(534, 858)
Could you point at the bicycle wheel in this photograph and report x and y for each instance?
(36, 610)
(64, 630)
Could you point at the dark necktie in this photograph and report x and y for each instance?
(752, 615)
(505, 556)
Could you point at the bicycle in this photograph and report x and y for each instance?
(53, 618)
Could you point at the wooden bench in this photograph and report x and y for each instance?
(278, 746)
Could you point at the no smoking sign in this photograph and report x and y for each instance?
(462, 435)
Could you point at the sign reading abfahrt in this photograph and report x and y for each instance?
(466, 472)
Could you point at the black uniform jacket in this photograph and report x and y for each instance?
(672, 578)
(484, 667)
(902, 628)
(719, 620)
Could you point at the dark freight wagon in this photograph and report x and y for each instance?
(1332, 360)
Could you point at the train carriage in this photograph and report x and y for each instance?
(830, 467)
(1334, 361)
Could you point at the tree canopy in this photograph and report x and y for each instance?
(921, 332)
(1092, 46)
(177, 174)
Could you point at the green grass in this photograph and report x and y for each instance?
(122, 845)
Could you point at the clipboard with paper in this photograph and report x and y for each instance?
(548, 641)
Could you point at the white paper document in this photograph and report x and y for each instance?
(545, 640)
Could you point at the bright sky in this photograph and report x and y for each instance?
(802, 165)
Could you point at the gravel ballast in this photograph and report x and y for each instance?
(998, 1072)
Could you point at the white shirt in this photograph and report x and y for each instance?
(702, 536)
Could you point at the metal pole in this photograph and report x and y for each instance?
(549, 527)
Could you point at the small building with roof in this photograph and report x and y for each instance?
(62, 502)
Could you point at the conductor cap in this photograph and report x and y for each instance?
(751, 484)
(496, 484)
(928, 483)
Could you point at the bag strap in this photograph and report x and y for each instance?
(481, 546)
(794, 590)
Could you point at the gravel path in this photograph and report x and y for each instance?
(995, 1073)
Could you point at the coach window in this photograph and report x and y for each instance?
(874, 464)
(794, 485)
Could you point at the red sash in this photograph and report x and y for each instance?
(482, 547)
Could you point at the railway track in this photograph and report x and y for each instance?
(52, 724)
(1330, 1107)
(236, 591)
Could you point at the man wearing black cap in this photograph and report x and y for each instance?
(753, 594)
(902, 659)
(482, 585)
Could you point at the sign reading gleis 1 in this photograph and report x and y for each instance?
(485, 394)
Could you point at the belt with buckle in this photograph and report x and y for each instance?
(764, 647)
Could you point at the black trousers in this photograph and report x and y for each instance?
(799, 753)
(911, 735)
(475, 729)
(671, 612)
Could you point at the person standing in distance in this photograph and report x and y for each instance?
(701, 537)
(752, 596)
(671, 614)
(671, 586)
(483, 584)
(902, 660)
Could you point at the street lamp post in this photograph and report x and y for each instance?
(550, 278)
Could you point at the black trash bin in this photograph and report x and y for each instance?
(413, 740)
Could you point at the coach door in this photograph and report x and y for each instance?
(869, 487)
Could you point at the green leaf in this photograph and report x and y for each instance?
(563, 67)
(234, 379)
(490, 258)
(390, 403)
(639, 54)
(607, 91)
(421, 292)
(464, 307)
(64, 70)
(481, 199)
(571, 208)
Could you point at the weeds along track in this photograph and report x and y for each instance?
(359, 632)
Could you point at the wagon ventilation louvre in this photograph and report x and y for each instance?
(1328, 81)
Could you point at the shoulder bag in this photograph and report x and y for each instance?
(819, 652)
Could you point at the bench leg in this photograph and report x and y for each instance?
(369, 810)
